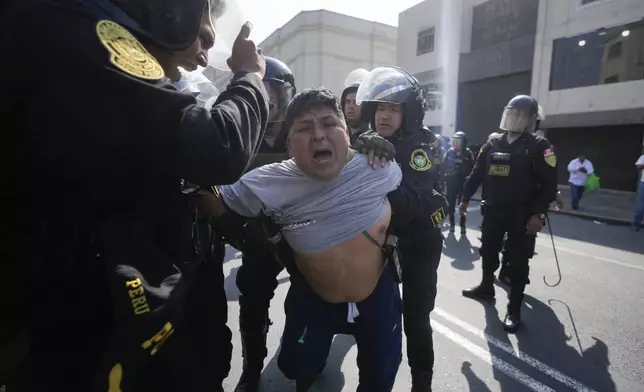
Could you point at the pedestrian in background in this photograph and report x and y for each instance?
(579, 169)
(639, 202)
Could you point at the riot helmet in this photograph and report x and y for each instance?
(520, 115)
(459, 141)
(199, 86)
(395, 86)
(352, 113)
(171, 24)
(280, 84)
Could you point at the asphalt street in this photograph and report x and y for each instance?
(585, 334)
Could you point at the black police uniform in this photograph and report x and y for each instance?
(509, 172)
(106, 279)
(417, 211)
(457, 166)
(257, 276)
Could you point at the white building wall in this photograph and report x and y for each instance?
(559, 19)
(452, 22)
(323, 47)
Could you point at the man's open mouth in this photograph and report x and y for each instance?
(384, 125)
(322, 156)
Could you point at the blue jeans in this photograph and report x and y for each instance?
(639, 206)
(576, 193)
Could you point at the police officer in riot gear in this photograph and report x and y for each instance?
(257, 276)
(118, 292)
(350, 109)
(520, 177)
(457, 165)
(394, 104)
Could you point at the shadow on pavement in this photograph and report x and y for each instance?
(616, 237)
(330, 380)
(230, 253)
(543, 336)
(475, 383)
(461, 251)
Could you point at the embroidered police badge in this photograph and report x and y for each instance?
(420, 161)
(127, 53)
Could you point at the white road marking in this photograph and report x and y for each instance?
(535, 363)
(578, 253)
(490, 359)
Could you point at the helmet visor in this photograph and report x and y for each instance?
(280, 95)
(386, 85)
(201, 87)
(515, 120)
(356, 77)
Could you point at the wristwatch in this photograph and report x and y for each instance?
(542, 216)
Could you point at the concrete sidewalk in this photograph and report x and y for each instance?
(614, 207)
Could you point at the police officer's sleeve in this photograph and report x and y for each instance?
(545, 168)
(476, 177)
(105, 103)
(414, 195)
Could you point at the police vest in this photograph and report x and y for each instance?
(510, 175)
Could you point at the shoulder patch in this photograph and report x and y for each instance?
(438, 217)
(127, 53)
(420, 161)
(550, 157)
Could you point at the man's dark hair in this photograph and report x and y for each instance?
(309, 99)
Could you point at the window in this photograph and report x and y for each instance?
(425, 42)
(607, 55)
(615, 50)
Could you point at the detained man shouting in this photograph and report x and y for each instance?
(332, 208)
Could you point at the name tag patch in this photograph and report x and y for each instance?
(438, 217)
(499, 170)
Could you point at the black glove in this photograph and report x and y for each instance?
(372, 142)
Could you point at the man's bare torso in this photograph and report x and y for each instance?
(348, 272)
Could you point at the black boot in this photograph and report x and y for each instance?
(462, 222)
(484, 291)
(512, 320)
(254, 352)
(452, 225)
(421, 381)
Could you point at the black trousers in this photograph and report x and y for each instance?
(420, 260)
(454, 196)
(256, 281)
(519, 246)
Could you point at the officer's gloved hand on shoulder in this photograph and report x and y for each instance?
(378, 150)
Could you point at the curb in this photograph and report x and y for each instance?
(603, 219)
